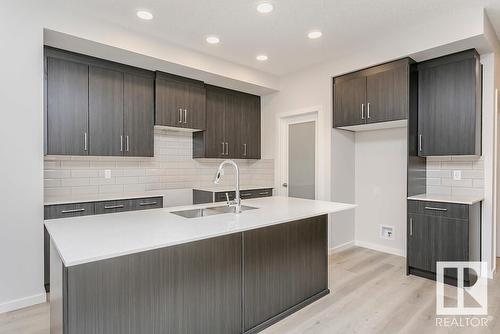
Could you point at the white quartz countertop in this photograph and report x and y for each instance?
(459, 199)
(86, 239)
(101, 197)
(216, 189)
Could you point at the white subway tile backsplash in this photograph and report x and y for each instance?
(75, 182)
(75, 163)
(101, 180)
(440, 175)
(172, 167)
(56, 173)
(51, 183)
(468, 191)
(456, 164)
(84, 173)
(84, 190)
(56, 192)
(107, 164)
(457, 183)
(112, 188)
(438, 190)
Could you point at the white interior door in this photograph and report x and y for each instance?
(299, 156)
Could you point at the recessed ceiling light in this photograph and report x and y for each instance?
(144, 14)
(314, 34)
(261, 57)
(213, 40)
(265, 7)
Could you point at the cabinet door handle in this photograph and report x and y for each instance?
(85, 141)
(362, 111)
(121, 143)
(227, 148)
(185, 116)
(180, 115)
(368, 110)
(411, 226)
(435, 209)
(244, 149)
(120, 206)
(420, 143)
(73, 210)
(128, 143)
(222, 148)
(147, 203)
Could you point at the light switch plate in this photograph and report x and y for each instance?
(107, 173)
(457, 175)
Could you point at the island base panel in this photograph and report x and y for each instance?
(236, 283)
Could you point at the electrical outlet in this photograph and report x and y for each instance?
(107, 173)
(457, 175)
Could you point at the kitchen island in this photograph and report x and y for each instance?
(157, 272)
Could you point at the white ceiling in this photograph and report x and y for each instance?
(244, 33)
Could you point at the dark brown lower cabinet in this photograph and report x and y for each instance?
(442, 232)
(191, 288)
(237, 283)
(284, 265)
(57, 211)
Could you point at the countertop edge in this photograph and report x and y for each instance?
(170, 244)
(450, 200)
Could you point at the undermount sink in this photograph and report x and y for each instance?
(204, 212)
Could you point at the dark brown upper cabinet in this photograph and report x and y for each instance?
(250, 131)
(105, 112)
(180, 102)
(233, 126)
(449, 105)
(97, 107)
(138, 115)
(374, 95)
(67, 96)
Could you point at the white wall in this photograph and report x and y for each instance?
(380, 183)
(21, 195)
(21, 131)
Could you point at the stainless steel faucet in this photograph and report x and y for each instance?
(236, 203)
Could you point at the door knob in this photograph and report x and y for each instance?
(285, 184)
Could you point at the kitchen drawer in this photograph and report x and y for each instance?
(244, 194)
(148, 203)
(221, 196)
(68, 210)
(448, 210)
(114, 206)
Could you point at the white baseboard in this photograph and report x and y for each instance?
(22, 303)
(340, 248)
(379, 248)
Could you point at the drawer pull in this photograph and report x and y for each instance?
(120, 206)
(264, 193)
(435, 209)
(246, 194)
(73, 211)
(147, 203)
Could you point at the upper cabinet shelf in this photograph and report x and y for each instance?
(449, 105)
(180, 102)
(374, 95)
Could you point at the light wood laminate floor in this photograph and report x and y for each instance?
(370, 294)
